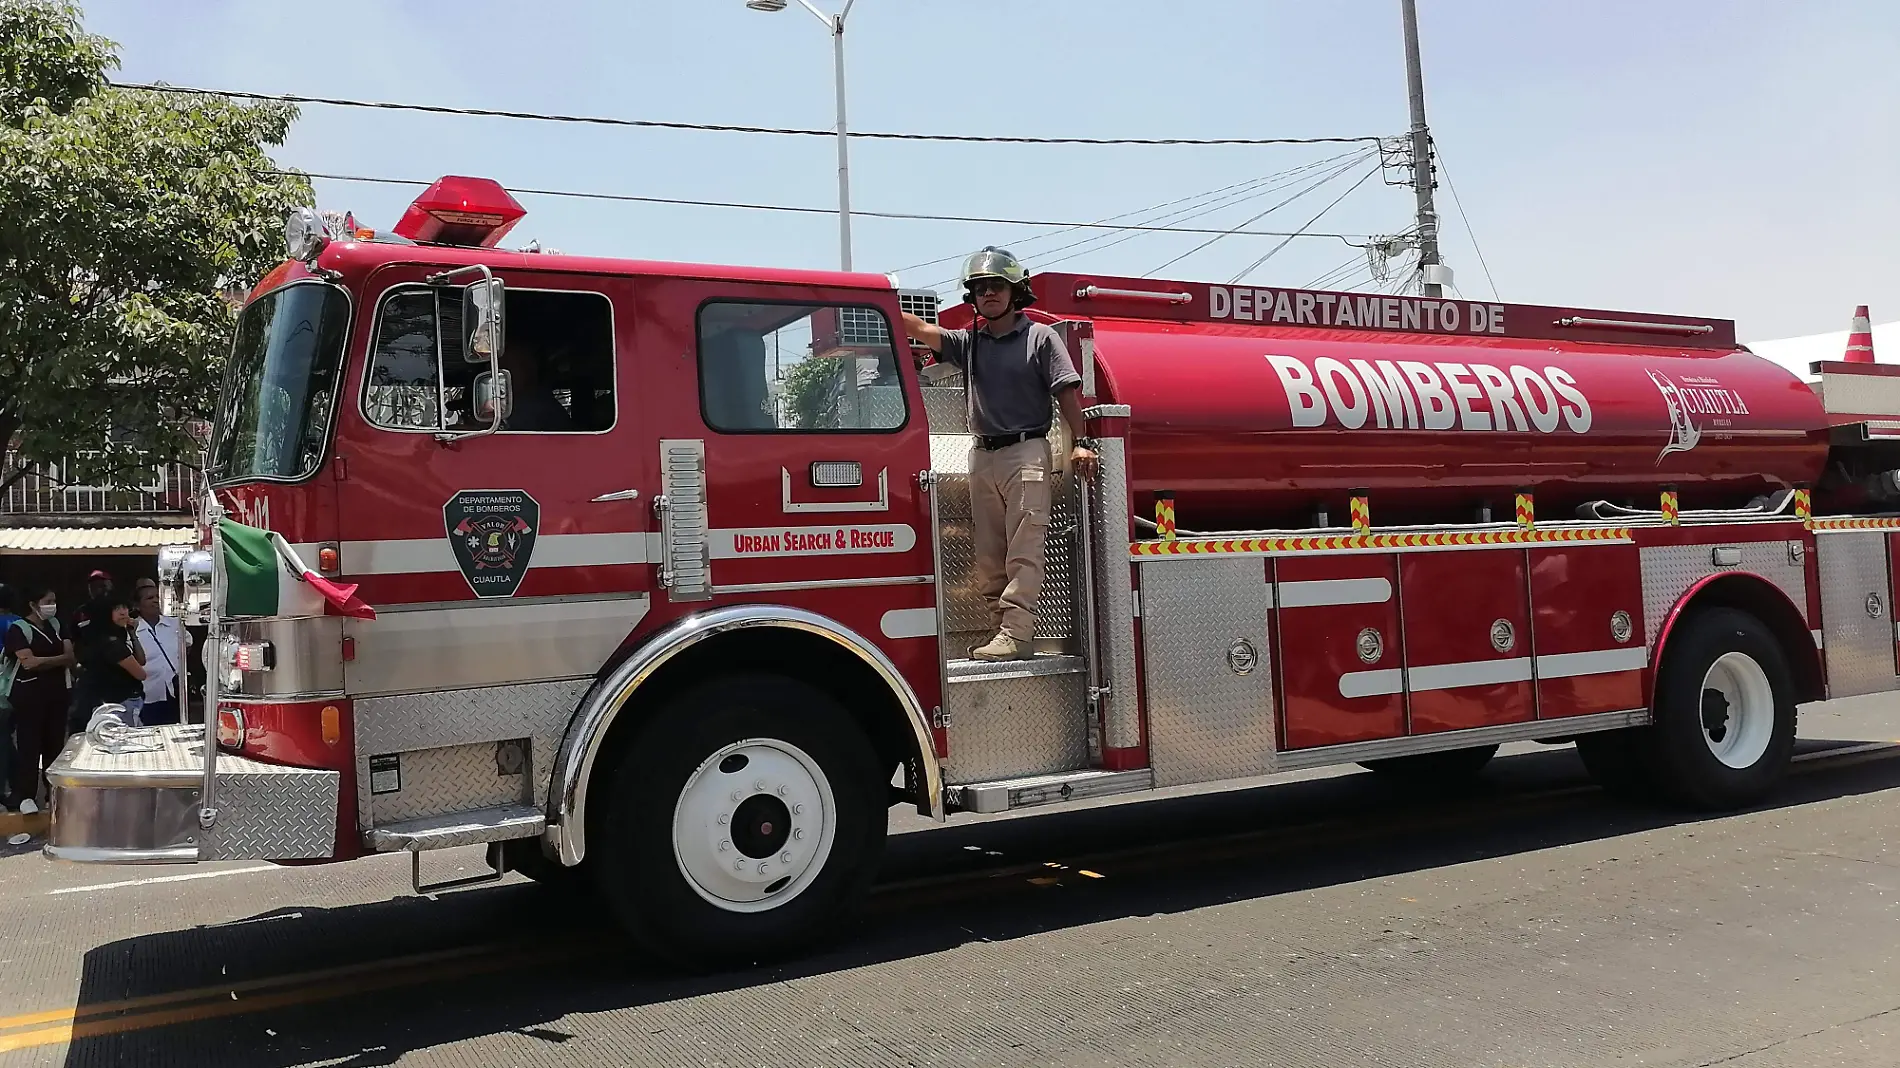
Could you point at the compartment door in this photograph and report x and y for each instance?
(1337, 618)
(1589, 658)
(1467, 639)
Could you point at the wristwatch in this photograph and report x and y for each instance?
(1085, 443)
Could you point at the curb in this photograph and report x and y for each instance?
(12, 823)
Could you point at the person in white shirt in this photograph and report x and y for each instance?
(160, 635)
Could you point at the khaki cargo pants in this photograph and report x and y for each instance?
(1009, 504)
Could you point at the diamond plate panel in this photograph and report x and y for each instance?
(1669, 570)
(1205, 721)
(1857, 645)
(947, 409)
(180, 749)
(1058, 604)
(269, 812)
(1115, 596)
(459, 829)
(537, 711)
(950, 454)
(1860, 394)
(1007, 728)
(437, 782)
(965, 615)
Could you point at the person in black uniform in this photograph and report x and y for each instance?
(112, 664)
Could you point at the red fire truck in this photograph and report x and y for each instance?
(671, 566)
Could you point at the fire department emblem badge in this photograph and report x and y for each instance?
(1683, 432)
(492, 533)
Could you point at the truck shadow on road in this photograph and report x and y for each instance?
(524, 967)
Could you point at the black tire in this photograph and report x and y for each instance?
(1448, 768)
(640, 872)
(1615, 762)
(1678, 756)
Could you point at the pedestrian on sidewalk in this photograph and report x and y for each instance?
(162, 639)
(38, 695)
(111, 662)
(98, 586)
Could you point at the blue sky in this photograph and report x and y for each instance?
(1733, 158)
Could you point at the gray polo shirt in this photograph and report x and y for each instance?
(1015, 375)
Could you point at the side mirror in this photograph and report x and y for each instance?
(482, 305)
(494, 397)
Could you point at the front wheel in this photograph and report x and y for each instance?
(745, 820)
(1725, 716)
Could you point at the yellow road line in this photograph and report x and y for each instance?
(226, 990)
(302, 988)
(226, 1005)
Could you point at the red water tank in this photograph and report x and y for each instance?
(1433, 408)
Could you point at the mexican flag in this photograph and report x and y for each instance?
(264, 577)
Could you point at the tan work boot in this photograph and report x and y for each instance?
(1004, 647)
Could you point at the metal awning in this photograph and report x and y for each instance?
(79, 541)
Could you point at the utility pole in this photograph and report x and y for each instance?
(1421, 155)
(835, 25)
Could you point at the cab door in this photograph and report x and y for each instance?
(792, 434)
(504, 558)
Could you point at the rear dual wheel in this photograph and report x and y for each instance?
(744, 822)
(1724, 719)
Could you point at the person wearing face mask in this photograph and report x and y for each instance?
(40, 656)
(1013, 368)
(112, 664)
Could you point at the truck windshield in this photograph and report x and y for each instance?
(280, 384)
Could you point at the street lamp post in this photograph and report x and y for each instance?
(835, 24)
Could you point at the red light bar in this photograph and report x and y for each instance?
(461, 211)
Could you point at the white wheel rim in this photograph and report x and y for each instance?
(754, 825)
(1737, 710)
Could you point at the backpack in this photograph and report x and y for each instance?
(10, 669)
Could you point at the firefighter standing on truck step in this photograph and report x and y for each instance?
(1012, 368)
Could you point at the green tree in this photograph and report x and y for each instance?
(124, 217)
(812, 390)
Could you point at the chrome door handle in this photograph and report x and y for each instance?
(617, 495)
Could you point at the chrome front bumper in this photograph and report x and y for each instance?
(144, 806)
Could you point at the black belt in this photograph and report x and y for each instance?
(993, 442)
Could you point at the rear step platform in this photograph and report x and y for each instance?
(1006, 794)
(458, 829)
(990, 670)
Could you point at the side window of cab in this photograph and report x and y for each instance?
(558, 352)
(798, 368)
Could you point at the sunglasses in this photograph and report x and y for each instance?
(988, 285)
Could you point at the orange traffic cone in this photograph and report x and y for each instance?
(1860, 338)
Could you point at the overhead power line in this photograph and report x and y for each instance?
(1151, 219)
(1467, 221)
(803, 210)
(1219, 234)
(1197, 198)
(1317, 216)
(1273, 183)
(657, 124)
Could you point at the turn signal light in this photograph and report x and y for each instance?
(230, 727)
(327, 559)
(332, 719)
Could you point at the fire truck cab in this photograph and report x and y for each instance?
(671, 566)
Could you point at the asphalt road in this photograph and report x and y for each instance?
(1325, 919)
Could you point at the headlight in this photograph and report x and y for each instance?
(304, 235)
